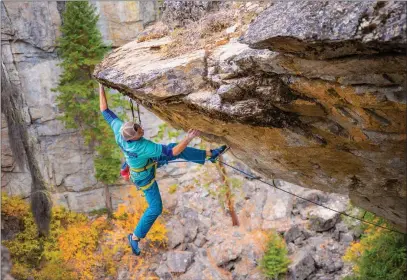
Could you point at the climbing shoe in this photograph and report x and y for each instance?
(217, 152)
(134, 245)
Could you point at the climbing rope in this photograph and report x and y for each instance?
(293, 194)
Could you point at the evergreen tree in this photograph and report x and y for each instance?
(275, 260)
(81, 48)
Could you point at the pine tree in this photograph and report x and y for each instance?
(275, 261)
(81, 47)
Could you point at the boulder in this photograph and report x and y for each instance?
(323, 219)
(203, 269)
(179, 261)
(163, 272)
(191, 223)
(327, 30)
(293, 234)
(175, 233)
(302, 265)
(226, 251)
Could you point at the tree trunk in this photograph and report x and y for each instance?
(23, 152)
(229, 198)
(108, 201)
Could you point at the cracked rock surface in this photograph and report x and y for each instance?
(321, 106)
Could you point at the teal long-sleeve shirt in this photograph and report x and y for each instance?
(138, 153)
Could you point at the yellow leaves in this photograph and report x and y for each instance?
(158, 234)
(108, 253)
(20, 271)
(78, 245)
(129, 213)
(53, 271)
(79, 248)
(172, 189)
(354, 251)
(77, 241)
(28, 250)
(13, 206)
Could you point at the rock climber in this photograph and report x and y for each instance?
(143, 157)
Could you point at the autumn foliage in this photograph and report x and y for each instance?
(78, 246)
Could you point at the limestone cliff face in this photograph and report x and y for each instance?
(312, 94)
(29, 31)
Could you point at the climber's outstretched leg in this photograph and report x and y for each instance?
(193, 155)
(155, 208)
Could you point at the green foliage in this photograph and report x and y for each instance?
(160, 133)
(163, 130)
(98, 212)
(387, 258)
(380, 254)
(275, 261)
(173, 133)
(81, 48)
(222, 189)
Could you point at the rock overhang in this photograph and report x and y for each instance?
(333, 124)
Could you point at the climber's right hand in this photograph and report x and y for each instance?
(192, 133)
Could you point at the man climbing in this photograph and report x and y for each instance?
(143, 157)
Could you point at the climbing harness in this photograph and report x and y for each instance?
(293, 194)
(145, 168)
(132, 110)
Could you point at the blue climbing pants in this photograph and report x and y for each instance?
(152, 194)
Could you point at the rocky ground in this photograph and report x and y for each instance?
(203, 244)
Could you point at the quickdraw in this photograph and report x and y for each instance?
(132, 110)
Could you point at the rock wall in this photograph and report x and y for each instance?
(121, 21)
(180, 13)
(314, 96)
(29, 31)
